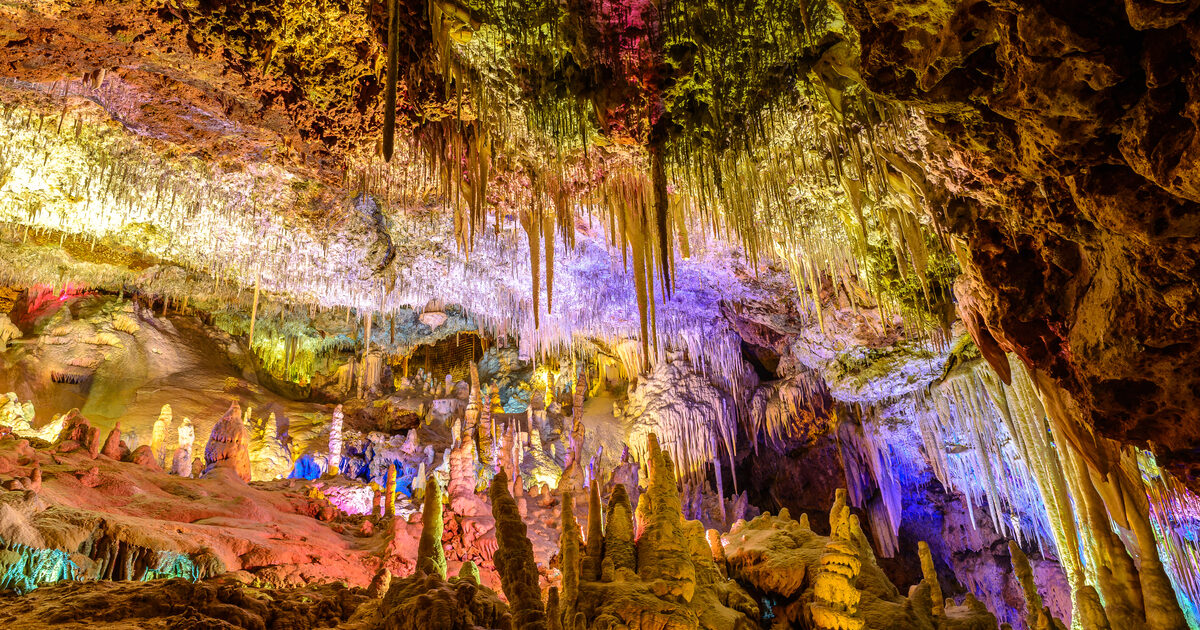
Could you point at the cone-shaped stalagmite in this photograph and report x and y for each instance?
(595, 535)
(1024, 573)
(514, 559)
(112, 444)
(431, 557)
(835, 588)
(618, 537)
(228, 444)
(930, 574)
(553, 620)
(662, 551)
(389, 492)
(569, 561)
(335, 440)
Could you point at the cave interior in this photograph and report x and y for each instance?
(600, 314)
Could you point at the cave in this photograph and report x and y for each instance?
(600, 314)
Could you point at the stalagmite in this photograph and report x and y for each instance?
(662, 550)
(1033, 600)
(487, 423)
(595, 535)
(228, 445)
(269, 458)
(619, 545)
(158, 439)
(389, 493)
(182, 462)
(837, 597)
(569, 557)
(335, 441)
(112, 444)
(514, 559)
(931, 578)
(431, 557)
(75, 428)
(474, 411)
(553, 614)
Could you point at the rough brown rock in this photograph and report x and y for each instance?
(179, 604)
(1065, 138)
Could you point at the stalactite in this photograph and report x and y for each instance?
(254, 309)
(393, 77)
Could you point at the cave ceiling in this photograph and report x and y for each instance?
(600, 171)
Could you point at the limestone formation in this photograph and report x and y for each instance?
(474, 409)
(389, 492)
(569, 559)
(837, 597)
(182, 461)
(1033, 601)
(662, 551)
(431, 557)
(429, 601)
(463, 480)
(75, 429)
(112, 444)
(269, 458)
(553, 614)
(144, 456)
(595, 535)
(158, 437)
(619, 548)
(228, 445)
(335, 440)
(514, 559)
(19, 417)
(930, 576)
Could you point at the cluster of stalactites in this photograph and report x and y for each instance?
(1013, 449)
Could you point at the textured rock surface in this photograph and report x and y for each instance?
(181, 605)
(229, 444)
(514, 559)
(1066, 139)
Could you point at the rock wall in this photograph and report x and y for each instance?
(1062, 139)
